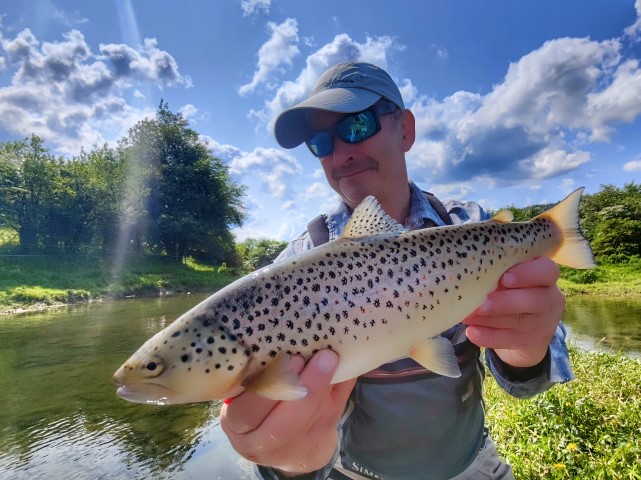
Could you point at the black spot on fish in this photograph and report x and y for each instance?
(222, 350)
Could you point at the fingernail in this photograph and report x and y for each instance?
(326, 361)
(509, 280)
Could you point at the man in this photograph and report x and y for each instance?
(400, 421)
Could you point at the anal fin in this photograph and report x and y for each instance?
(437, 355)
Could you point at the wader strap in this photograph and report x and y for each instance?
(318, 230)
(439, 208)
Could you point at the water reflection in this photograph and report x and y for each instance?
(609, 324)
(60, 417)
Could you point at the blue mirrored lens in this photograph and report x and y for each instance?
(353, 128)
(322, 143)
(358, 127)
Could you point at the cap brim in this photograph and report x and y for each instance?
(291, 127)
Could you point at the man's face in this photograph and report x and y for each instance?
(375, 166)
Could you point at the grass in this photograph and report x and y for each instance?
(587, 428)
(622, 278)
(35, 282)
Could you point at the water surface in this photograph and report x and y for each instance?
(60, 417)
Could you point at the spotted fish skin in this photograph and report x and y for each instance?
(376, 294)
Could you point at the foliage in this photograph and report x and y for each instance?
(191, 201)
(160, 191)
(587, 428)
(258, 253)
(610, 219)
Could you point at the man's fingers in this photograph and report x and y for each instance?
(247, 411)
(540, 272)
(287, 419)
(515, 304)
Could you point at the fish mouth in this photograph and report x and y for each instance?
(148, 393)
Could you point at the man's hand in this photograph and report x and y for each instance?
(295, 437)
(519, 318)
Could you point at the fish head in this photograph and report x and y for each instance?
(184, 363)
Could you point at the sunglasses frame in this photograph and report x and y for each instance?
(377, 110)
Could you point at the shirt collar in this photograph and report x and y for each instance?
(420, 210)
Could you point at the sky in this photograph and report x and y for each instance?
(516, 103)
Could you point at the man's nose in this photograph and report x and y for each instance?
(343, 151)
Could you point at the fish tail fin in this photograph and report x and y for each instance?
(574, 250)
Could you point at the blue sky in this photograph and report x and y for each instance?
(516, 102)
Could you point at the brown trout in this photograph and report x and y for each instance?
(376, 294)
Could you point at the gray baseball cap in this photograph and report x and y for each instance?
(343, 88)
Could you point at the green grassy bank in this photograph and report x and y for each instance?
(587, 428)
(32, 283)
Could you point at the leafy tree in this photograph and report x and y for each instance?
(258, 253)
(611, 220)
(28, 190)
(190, 201)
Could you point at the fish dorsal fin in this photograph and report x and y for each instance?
(503, 216)
(370, 219)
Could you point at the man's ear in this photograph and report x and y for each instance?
(408, 127)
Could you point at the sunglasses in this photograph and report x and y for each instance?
(353, 128)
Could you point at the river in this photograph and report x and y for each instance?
(60, 417)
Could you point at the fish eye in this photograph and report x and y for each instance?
(153, 367)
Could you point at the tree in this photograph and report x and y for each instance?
(190, 199)
(611, 220)
(28, 190)
(256, 254)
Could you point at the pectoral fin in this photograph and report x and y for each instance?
(437, 355)
(275, 382)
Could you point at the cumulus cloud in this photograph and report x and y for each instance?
(632, 166)
(63, 92)
(276, 169)
(532, 124)
(634, 30)
(251, 7)
(279, 50)
(342, 49)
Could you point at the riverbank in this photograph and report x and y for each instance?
(587, 428)
(37, 283)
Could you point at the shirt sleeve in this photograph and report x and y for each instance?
(556, 369)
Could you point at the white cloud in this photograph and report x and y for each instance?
(531, 125)
(276, 169)
(64, 93)
(251, 7)
(278, 50)
(632, 166)
(342, 49)
(634, 30)
(188, 112)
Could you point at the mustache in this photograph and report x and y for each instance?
(354, 166)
